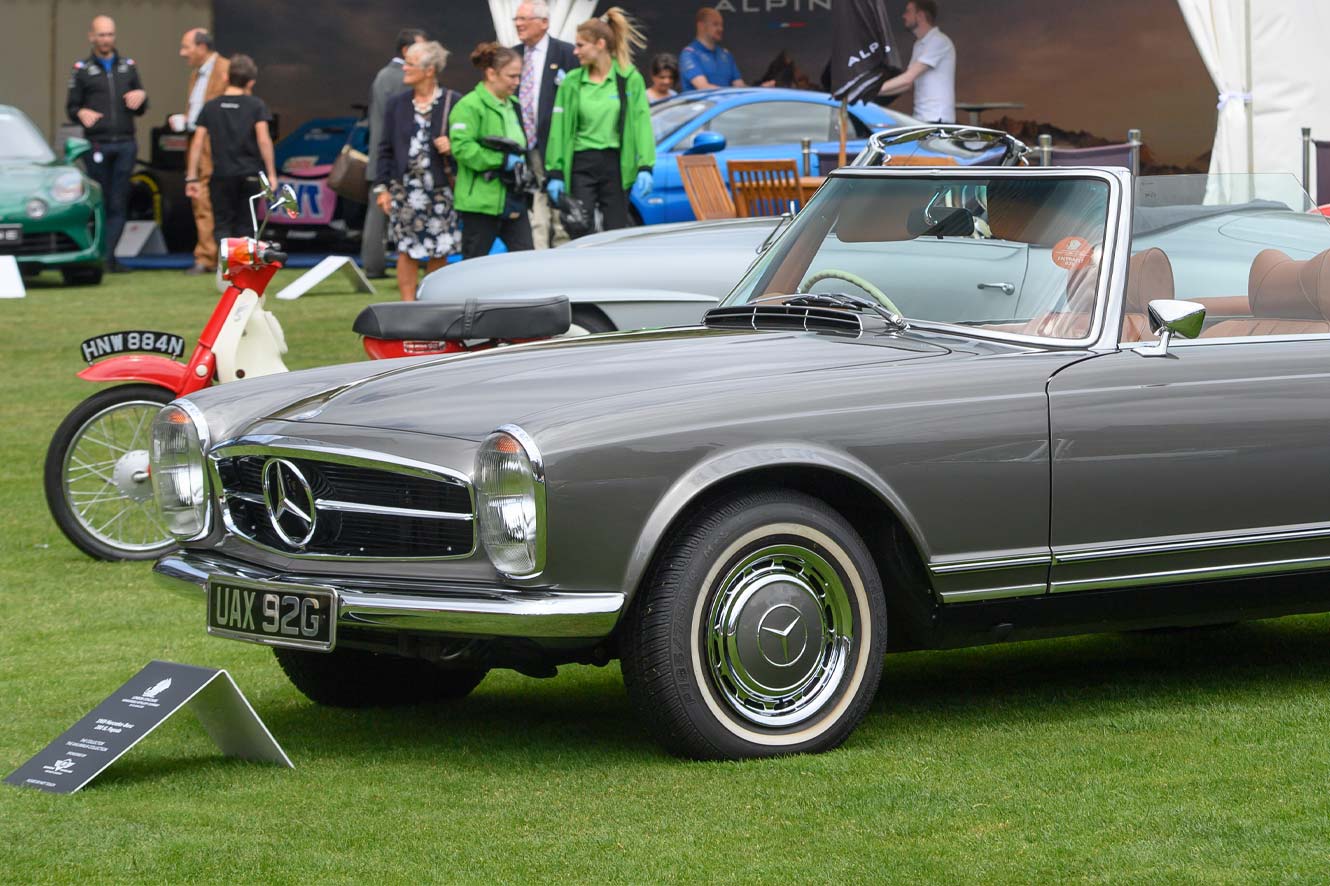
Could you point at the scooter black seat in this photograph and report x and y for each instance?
(475, 318)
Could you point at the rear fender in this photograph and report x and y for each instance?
(148, 368)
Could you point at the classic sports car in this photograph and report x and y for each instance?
(50, 212)
(304, 160)
(946, 407)
(669, 275)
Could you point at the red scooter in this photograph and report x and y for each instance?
(97, 476)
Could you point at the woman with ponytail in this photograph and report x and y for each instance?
(488, 206)
(601, 142)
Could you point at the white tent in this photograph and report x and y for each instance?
(565, 16)
(1269, 64)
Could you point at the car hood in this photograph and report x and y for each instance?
(556, 382)
(622, 266)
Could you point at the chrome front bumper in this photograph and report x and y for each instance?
(416, 606)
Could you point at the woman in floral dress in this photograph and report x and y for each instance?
(416, 169)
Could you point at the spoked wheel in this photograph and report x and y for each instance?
(760, 632)
(97, 480)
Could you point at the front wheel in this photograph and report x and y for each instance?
(97, 477)
(760, 631)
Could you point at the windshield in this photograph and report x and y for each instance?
(20, 140)
(1013, 254)
(671, 115)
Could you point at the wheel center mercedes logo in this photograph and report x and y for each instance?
(782, 635)
(290, 502)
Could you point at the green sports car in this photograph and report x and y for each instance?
(51, 214)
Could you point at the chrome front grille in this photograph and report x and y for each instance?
(362, 507)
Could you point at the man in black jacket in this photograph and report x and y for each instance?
(105, 96)
(545, 61)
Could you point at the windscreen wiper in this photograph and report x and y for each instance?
(849, 300)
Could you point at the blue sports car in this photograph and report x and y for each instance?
(747, 123)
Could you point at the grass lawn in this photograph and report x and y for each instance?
(1163, 757)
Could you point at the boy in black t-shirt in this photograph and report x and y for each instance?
(236, 124)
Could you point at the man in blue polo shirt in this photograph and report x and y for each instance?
(704, 63)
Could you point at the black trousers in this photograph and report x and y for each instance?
(111, 164)
(598, 184)
(479, 231)
(230, 204)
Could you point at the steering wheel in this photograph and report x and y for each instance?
(835, 274)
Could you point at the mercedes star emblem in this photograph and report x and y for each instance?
(782, 627)
(290, 502)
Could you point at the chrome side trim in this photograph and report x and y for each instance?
(984, 565)
(418, 606)
(1202, 573)
(1032, 590)
(1226, 541)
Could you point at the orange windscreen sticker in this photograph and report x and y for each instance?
(1072, 252)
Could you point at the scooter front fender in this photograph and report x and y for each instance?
(148, 368)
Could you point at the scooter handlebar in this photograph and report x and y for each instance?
(270, 255)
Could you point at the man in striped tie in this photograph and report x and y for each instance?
(545, 60)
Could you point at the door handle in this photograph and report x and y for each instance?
(1007, 288)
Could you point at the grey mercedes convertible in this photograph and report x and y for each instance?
(945, 407)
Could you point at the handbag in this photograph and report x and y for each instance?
(347, 178)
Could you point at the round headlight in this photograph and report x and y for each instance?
(36, 207)
(67, 187)
(179, 478)
(510, 488)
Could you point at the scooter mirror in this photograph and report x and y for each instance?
(287, 201)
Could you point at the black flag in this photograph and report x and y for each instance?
(862, 49)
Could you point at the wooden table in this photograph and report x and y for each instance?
(811, 183)
(977, 108)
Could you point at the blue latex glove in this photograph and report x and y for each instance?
(511, 161)
(555, 188)
(642, 187)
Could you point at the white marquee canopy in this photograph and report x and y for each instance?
(1270, 67)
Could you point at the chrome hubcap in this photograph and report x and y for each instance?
(106, 479)
(778, 635)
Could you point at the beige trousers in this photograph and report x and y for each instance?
(545, 220)
(205, 249)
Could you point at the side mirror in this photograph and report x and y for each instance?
(286, 201)
(1170, 317)
(76, 148)
(707, 142)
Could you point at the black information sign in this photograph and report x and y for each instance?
(124, 719)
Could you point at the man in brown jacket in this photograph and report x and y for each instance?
(207, 80)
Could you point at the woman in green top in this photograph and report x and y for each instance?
(487, 206)
(601, 142)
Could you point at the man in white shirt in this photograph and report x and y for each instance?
(545, 60)
(207, 80)
(932, 70)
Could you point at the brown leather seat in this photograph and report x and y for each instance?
(1287, 297)
(1149, 278)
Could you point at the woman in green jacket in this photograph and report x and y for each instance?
(487, 206)
(601, 142)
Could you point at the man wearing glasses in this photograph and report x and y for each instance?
(545, 61)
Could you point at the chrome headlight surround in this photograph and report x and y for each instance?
(67, 187)
(510, 502)
(180, 479)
